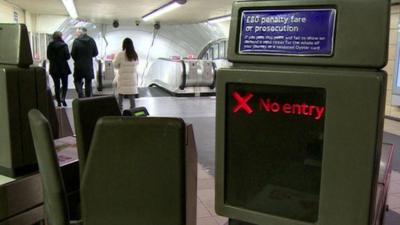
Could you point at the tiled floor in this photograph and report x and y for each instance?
(205, 200)
(394, 188)
(200, 110)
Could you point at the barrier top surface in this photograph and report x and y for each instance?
(14, 46)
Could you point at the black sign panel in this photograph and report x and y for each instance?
(273, 149)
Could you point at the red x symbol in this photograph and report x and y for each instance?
(242, 102)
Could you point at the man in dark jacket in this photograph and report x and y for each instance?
(58, 55)
(83, 50)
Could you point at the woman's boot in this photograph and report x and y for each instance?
(63, 96)
(58, 99)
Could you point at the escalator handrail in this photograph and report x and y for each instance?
(169, 60)
(214, 66)
(183, 84)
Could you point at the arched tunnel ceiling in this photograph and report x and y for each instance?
(127, 11)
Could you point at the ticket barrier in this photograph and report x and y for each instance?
(22, 197)
(99, 76)
(22, 88)
(300, 113)
(161, 148)
(104, 78)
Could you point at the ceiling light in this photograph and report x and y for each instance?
(164, 9)
(81, 23)
(219, 19)
(70, 7)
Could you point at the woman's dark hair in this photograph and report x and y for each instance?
(130, 52)
(57, 36)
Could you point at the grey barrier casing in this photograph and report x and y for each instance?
(256, 175)
(20, 91)
(352, 134)
(22, 88)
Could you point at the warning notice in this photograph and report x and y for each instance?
(300, 32)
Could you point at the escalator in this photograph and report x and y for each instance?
(188, 77)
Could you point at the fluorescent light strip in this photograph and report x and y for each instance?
(70, 7)
(219, 19)
(163, 9)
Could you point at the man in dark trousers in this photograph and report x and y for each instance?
(83, 50)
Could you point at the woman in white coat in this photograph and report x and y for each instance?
(126, 62)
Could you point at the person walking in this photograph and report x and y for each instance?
(126, 63)
(84, 49)
(58, 56)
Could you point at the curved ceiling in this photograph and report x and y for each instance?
(104, 11)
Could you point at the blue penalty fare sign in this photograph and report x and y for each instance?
(297, 32)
